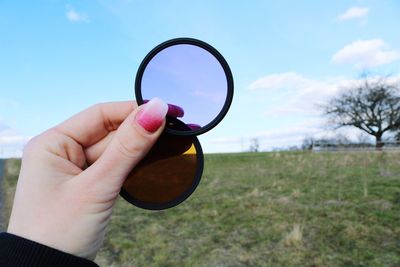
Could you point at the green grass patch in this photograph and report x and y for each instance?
(269, 209)
(11, 172)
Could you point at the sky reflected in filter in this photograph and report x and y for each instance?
(190, 77)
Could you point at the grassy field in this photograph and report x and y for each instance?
(9, 182)
(267, 209)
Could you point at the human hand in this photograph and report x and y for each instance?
(60, 201)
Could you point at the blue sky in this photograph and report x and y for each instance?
(59, 57)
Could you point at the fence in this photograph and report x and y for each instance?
(252, 145)
(326, 147)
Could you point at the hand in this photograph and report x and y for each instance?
(60, 201)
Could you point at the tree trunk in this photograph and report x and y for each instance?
(379, 144)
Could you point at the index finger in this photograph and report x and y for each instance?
(93, 124)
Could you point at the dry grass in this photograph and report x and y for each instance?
(295, 236)
(270, 209)
(11, 172)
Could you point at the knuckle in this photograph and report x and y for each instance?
(41, 141)
(131, 150)
(35, 144)
(36, 141)
(97, 108)
(97, 105)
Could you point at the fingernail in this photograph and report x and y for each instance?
(152, 114)
(173, 110)
(193, 126)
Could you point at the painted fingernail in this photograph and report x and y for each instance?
(152, 114)
(193, 126)
(173, 110)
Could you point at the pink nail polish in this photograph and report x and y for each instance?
(193, 126)
(152, 114)
(173, 110)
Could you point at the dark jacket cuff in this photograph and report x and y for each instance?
(21, 252)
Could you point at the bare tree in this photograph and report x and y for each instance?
(254, 145)
(373, 107)
(308, 143)
(397, 136)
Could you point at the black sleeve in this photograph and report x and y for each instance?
(21, 252)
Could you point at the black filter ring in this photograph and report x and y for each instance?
(211, 50)
(196, 180)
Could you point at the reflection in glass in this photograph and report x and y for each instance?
(190, 77)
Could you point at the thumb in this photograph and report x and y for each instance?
(131, 142)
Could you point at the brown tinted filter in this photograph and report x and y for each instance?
(167, 174)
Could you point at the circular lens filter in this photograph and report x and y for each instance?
(168, 174)
(191, 74)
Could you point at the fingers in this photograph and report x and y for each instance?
(173, 110)
(130, 143)
(193, 126)
(94, 123)
(93, 152)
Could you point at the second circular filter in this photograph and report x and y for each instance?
(169, 173)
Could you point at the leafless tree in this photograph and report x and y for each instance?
(308, 143)
(397, 136)
(373, 107)
(254, 145)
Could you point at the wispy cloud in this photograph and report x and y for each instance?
(300, 100)
(4, 126)
(11, 142)
(75, 16)
(360, 13)
(283, 137)
(300, 94)
(280, 80)
(212, 95)
(366, 53)
(289, 133)
(14, 140)
(12, 146)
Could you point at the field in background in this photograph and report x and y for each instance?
(267, 209)
(8, 183)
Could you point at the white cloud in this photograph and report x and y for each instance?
(74, 16)
(284, 137)
(366, 53)
(11, 143)
(12, 146)
(281, 110)
(13, 140)
(211, 95)
(280, 80)
(299, 94)
(286, 133)
(297, 105)
(293, 95)
(4, 126)
(354, 13)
